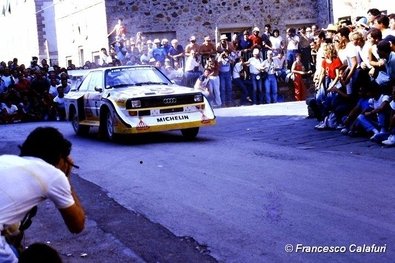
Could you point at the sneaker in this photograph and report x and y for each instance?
(390, 141)
(344, 131)
(321, 126)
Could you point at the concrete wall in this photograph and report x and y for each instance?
(81, 30)
(18, 27)
(355, 8)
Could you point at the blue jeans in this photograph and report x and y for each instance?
(7, 254)
(256, 88)
(378, 122)
(225, 79)
(271, 88)
(214, 86)
(291, 54)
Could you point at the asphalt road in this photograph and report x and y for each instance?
(260, 183)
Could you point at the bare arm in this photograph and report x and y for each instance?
(74, 215)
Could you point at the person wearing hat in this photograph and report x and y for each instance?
(330, 31)
(255, 39)
(159, 52)
(206, 49)
(165, 45)
(192, 45)
(255, 67)
(224, 44)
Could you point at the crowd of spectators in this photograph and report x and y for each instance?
(32, 93)
(351, 64)
(355, 78)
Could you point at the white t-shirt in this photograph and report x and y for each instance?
(293, 43)
(352, 51)
(59, 101)
(236, 70)
(255, 65)
(276, 42)
(377, 103)
(26, 182)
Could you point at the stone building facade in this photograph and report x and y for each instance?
(181, 19)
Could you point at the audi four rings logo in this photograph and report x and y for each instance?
(169, 100)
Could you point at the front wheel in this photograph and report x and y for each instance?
(107, 126)
(75, 122)
(190, 133)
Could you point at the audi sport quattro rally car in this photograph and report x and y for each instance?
(135, 99)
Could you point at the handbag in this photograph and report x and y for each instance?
(383, 79)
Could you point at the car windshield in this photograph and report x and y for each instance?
(134, 76)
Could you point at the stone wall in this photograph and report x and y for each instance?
(202, 17)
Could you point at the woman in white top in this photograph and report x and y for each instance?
(277, 42)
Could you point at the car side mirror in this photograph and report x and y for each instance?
(98, 89)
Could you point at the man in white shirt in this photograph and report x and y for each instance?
(192, 69)
(41, 171)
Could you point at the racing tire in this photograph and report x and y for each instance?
(75, 122)
(190, 133)
(107, 126)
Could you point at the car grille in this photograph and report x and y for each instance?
(163, 101)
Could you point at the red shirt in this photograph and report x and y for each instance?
(256, 41)
(330, 68)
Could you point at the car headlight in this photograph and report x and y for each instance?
(136, 103)
(198, 98)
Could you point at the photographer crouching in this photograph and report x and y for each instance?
(41, 171)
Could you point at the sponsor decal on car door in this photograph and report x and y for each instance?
(93, 97)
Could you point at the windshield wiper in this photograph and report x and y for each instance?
(151, 83)
(121, 85)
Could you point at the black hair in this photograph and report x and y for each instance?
(39, 252)
(384, 46)
(46, 143)
(375, 33)
(344, 32)
(374, 12)
(384, 20)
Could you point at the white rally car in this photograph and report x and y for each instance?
(135, 99)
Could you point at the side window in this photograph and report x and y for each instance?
(96, 80)
(85, 84)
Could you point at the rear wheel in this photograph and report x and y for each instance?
(75, 122)
(190, 133)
